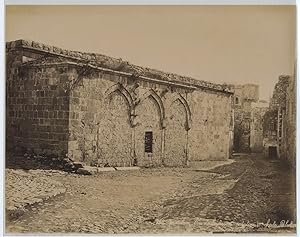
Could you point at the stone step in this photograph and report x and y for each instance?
(89, 170)
(104, 169)
(128, 168)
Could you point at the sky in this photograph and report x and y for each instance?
(221, 44)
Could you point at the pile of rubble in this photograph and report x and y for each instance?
(59, 163)
(29, 161)
(34, 161)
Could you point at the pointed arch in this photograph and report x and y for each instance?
(120, 88)
(183, 101)
(152, 94)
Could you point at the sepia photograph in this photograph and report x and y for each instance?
(150, 119)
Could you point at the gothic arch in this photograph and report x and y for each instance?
(121, 89)
(183, 101)
(152, 94)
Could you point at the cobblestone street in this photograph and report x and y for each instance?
(229, 198)
(25, 190)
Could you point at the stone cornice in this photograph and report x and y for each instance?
(102, 62)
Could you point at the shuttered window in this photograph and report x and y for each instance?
(148, 142)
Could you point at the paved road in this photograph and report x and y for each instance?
(25, 190)
(263, 192)
(228, 198)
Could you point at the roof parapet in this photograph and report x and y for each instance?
(103, 61)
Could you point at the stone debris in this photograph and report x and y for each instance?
(78, 165)
(55, 164)
(59, 165)
(33, 161)
(84, 171)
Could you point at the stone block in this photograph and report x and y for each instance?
(83, 171)
(105, 169)
(128, 168)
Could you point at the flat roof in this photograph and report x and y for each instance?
(117, 65)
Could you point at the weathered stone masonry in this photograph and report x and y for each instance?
(280, 121)
(104, 111)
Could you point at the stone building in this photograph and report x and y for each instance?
(248, 112)
(275, 120)
(280, 121)
(291, 121)
(256, 125)
(105, 111)
(270, 133)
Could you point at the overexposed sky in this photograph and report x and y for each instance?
(233, 44)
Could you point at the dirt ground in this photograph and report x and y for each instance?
(247, 195)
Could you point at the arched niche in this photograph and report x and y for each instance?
(155, 97)
(182, 100)
(119, 88)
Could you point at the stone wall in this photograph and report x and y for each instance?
(114, 112)
(270, 130)
(37, 107)
(176, 135)
(291, 122)
(244, 96)
(248, 92)
(105, 117)
(280, 92)
(256, 128)
(242, 115)
(248, 118)
(209, 138)
(280, 114)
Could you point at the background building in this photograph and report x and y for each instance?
(248, 118)
(256, 125)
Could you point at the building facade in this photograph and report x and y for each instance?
(256, 126)
(275, 121)
(248, 112)
(105, 111)
(280, 121)
(291, 121)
